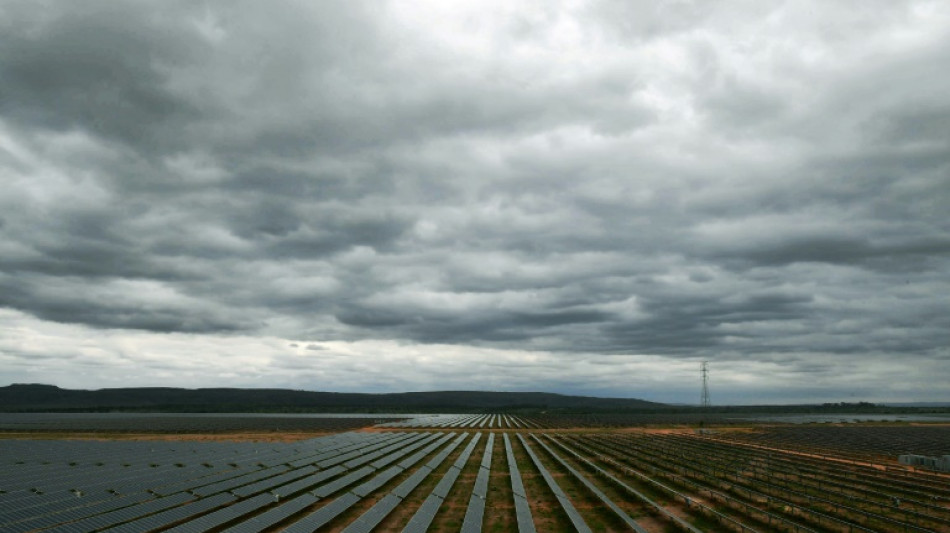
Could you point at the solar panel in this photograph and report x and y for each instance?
(462, 459)
(56, 503)
(481, 481)
(445, 484)
(371, 518)
(196, 481)
(361, 454)
(325, 490)
(223, 516)
(603, 497)
(486, 458)
(233, 482)
(474, 515)
(323, 515)
(19, 499)
(174, 515)
(481, 484)
(378, 481)
(301, 484)
(74, 513)
(424, 515)
(439, 457)
(572, 514)
(414, 458)
(275, 481)
(522, 509)
(411, 482)
(517, 486)
(274, 516)
(566, 504)
(523, 514)
(396, 455)
(124, 515)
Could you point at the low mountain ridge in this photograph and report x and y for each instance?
(39, 397)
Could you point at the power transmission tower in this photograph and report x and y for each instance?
(704, 370)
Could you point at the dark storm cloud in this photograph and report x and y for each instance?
(429, 325)
(97, 67)
(853, 251)
(686, 181)
(336, 234)
(114, 304)
(684, 325)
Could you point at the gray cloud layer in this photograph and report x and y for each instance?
(725, 182)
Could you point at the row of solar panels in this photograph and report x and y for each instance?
(345, 469)
(25, 509)
(522, 509)
(98, 453)
(489, 421)
(229, 513)
(120, 509)
(43, 473)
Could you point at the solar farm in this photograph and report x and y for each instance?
(484, 472)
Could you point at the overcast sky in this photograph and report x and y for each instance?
(575, 197)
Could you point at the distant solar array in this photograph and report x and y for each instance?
(481, 421)
(539, 420)
(120, 422)
(187, 422)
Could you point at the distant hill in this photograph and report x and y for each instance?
(37, 397)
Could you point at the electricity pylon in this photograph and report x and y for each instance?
(704, 370)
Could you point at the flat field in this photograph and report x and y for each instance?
(478, 473)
